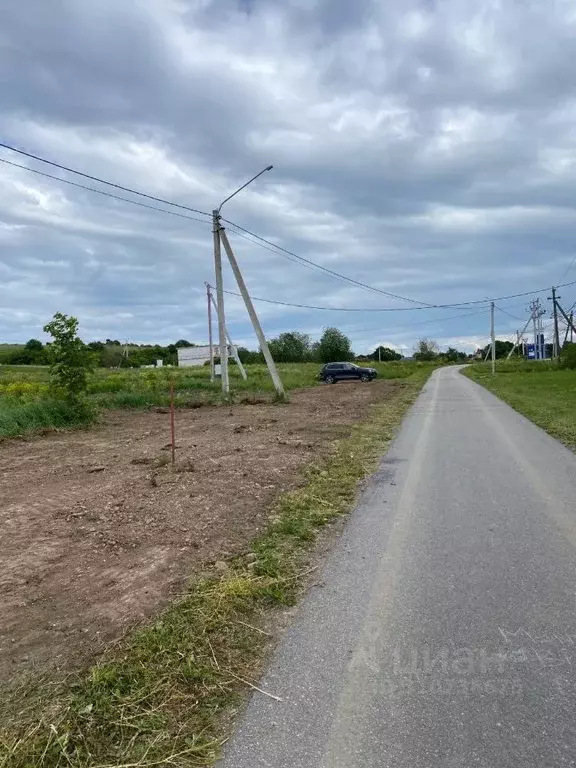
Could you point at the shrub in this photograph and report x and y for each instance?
(568, 356)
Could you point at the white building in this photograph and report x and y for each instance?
(189, 356)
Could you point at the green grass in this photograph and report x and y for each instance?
(23, 418)
(541, 391)
(159, 698)
(143, 388)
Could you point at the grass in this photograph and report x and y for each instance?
(541, 391)
(27, 417)
(162, 695)
(143, 388)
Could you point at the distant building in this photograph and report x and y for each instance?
(192, 356)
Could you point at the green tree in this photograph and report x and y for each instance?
(333, 347)
(502, 349)
(568, 356)
(70, 359)
(111, 356)
(426, 349)
(32, 353)
(249, 356)
(385, 354)
(453, 355)
(290, 347)
(184, 343)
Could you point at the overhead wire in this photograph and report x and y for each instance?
(327, 270)
(102, 192)
(568, 268)
(392, 309)
(99, 180)
(514, 317)
(261, 241)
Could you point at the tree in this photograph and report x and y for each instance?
(568, 356)
(33, 353)
(385, 354)
(453, 355)
(290, 347)
(110, 356)
(502, 349)
(70, 359)
(333, 347)
(248, 356)
(426, 349)
(184, 343)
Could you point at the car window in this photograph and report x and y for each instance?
(334, 367)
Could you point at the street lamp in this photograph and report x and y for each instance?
(268, 168)
(220, 282)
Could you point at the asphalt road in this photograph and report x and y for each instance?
(443, 632)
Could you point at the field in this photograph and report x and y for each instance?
(539, 390)
(26, 408)
(103, 533)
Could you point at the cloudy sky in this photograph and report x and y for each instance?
(426, 148)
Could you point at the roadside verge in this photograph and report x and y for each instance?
(163, 695)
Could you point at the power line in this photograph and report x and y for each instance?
(569, 267)
(514, 317)
(419, 322)
(394, 309)
(313, 267)
(277, 248)
(313, 264)
(100, 181)
(387, 293)
(101, 192)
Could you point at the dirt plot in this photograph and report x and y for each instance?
(99, 532)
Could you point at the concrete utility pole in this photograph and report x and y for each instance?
(220, 303)
(555, 315)
(210, 342)
(252, 312)
(233, 349)
(220, 283)
(493, 337)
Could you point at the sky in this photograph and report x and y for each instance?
(425, 148)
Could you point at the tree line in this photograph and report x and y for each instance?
(288, 347)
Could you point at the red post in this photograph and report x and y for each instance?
(172, 430)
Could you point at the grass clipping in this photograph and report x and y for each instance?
(158, 698)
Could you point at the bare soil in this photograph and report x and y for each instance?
(99, 531)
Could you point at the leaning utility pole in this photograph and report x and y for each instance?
(217, 229)
(492, 337)
(569, 320)
(555, 315)
(520, 337)
(220, 303)
(252, 312)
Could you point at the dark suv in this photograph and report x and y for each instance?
(333, 372)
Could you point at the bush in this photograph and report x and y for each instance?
(568, 356)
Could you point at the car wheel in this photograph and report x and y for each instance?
(365, 377)
(330, 380)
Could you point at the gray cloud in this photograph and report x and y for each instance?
(424, 148)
